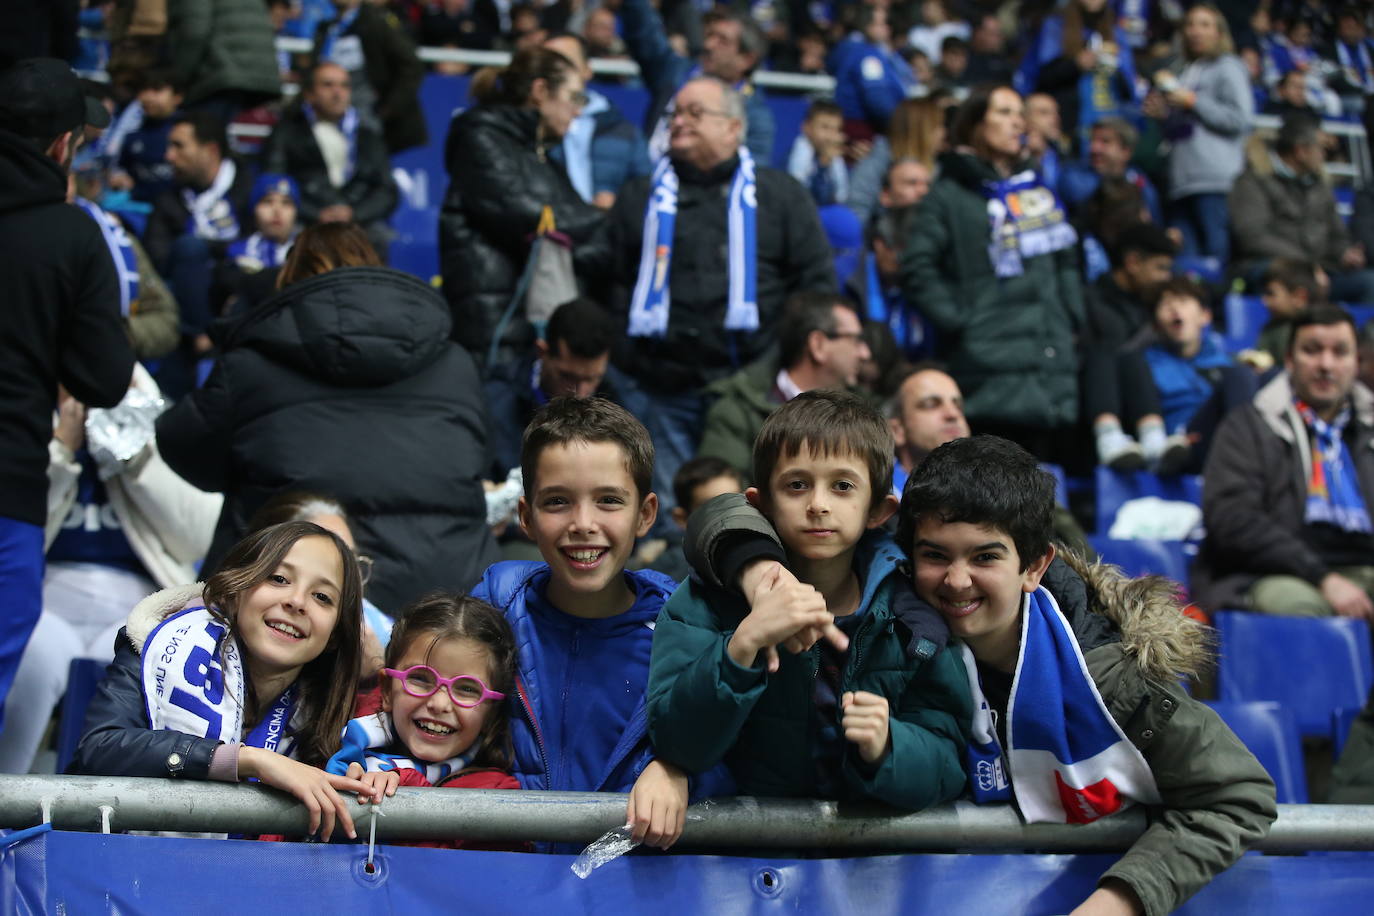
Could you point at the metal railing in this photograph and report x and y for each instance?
(105, 803)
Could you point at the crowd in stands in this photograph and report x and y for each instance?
(682, 348)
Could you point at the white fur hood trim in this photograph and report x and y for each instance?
(157, 607)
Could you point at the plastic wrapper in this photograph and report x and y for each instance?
(501, 502)
(116, 434)
(610, 845)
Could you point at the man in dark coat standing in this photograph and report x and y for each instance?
(703, 271)
(60, 324)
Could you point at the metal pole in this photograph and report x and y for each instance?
(579, 817)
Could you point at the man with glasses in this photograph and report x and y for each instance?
(702, 274)
(820, 345)
(732, 47)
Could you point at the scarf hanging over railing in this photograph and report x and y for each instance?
(1068, 761)
(365, 740)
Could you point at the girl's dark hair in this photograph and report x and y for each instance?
(971, 112)
(325, 701)
(445, 615)
(325, 247)
(514, 83)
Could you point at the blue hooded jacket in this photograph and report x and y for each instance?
(1182, 386)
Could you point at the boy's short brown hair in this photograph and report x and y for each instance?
(827, 422)
(571, 419)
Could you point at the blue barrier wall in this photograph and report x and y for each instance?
(57, 872)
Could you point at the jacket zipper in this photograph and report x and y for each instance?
(534, 724)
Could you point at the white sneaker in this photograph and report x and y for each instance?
(1120, 452)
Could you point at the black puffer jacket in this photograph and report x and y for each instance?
(499, 183)
(347, 384)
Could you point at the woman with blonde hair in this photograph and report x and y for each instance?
(346, 382)
(916, 131)
(1207, 109)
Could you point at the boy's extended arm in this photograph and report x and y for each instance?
(929, 725)
(699, 698)
(725, 535)
(1217, 800)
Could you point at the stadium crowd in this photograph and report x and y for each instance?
(1016, 235)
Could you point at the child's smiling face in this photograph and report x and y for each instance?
(821, 505)
(972, 575)
(585, 516)
(435, 728)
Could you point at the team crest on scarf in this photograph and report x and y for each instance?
(1068, 762)
(1026, 221)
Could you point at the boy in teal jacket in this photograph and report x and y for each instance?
(865, 703)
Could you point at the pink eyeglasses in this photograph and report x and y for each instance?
(422, 681)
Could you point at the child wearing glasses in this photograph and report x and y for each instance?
(583, 623)
(450, 663)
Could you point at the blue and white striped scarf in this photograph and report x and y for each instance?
(650, 304)
(121, 250)
(193, 682)
(1069, 761)
(365, 740)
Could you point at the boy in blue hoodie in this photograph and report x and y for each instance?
(866, 703)
(583, 625)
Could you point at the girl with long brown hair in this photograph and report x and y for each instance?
(236, 679)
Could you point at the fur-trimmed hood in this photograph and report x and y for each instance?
(1165, 642)
(157, 607)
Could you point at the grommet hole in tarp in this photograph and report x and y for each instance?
(767, 882)
(370, 873)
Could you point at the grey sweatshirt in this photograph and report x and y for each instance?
(1213, 155)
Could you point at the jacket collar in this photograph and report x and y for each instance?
(157, 607)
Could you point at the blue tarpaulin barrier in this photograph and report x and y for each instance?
(67, 872)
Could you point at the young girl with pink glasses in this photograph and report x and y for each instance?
(442, 722)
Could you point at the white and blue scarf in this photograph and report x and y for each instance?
(1026, 220)
(1069, 761)
(122, 250)
(1356, 64)
(364, 741)
(650, 303)
(212, 215)
(258, 252)
(348, 126)
(193, 682)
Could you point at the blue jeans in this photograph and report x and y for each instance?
(21, 590)
(675, 423)
(1205, 221)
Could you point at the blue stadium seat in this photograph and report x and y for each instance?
(1208, 270)
(1245, 317)
(1267, 729)
(1146, 557)
(1114, 488)
(1312, 665)
(1061, 483)
(845, 234)
(1341, 722)
(84, 677)
(1361, 313)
